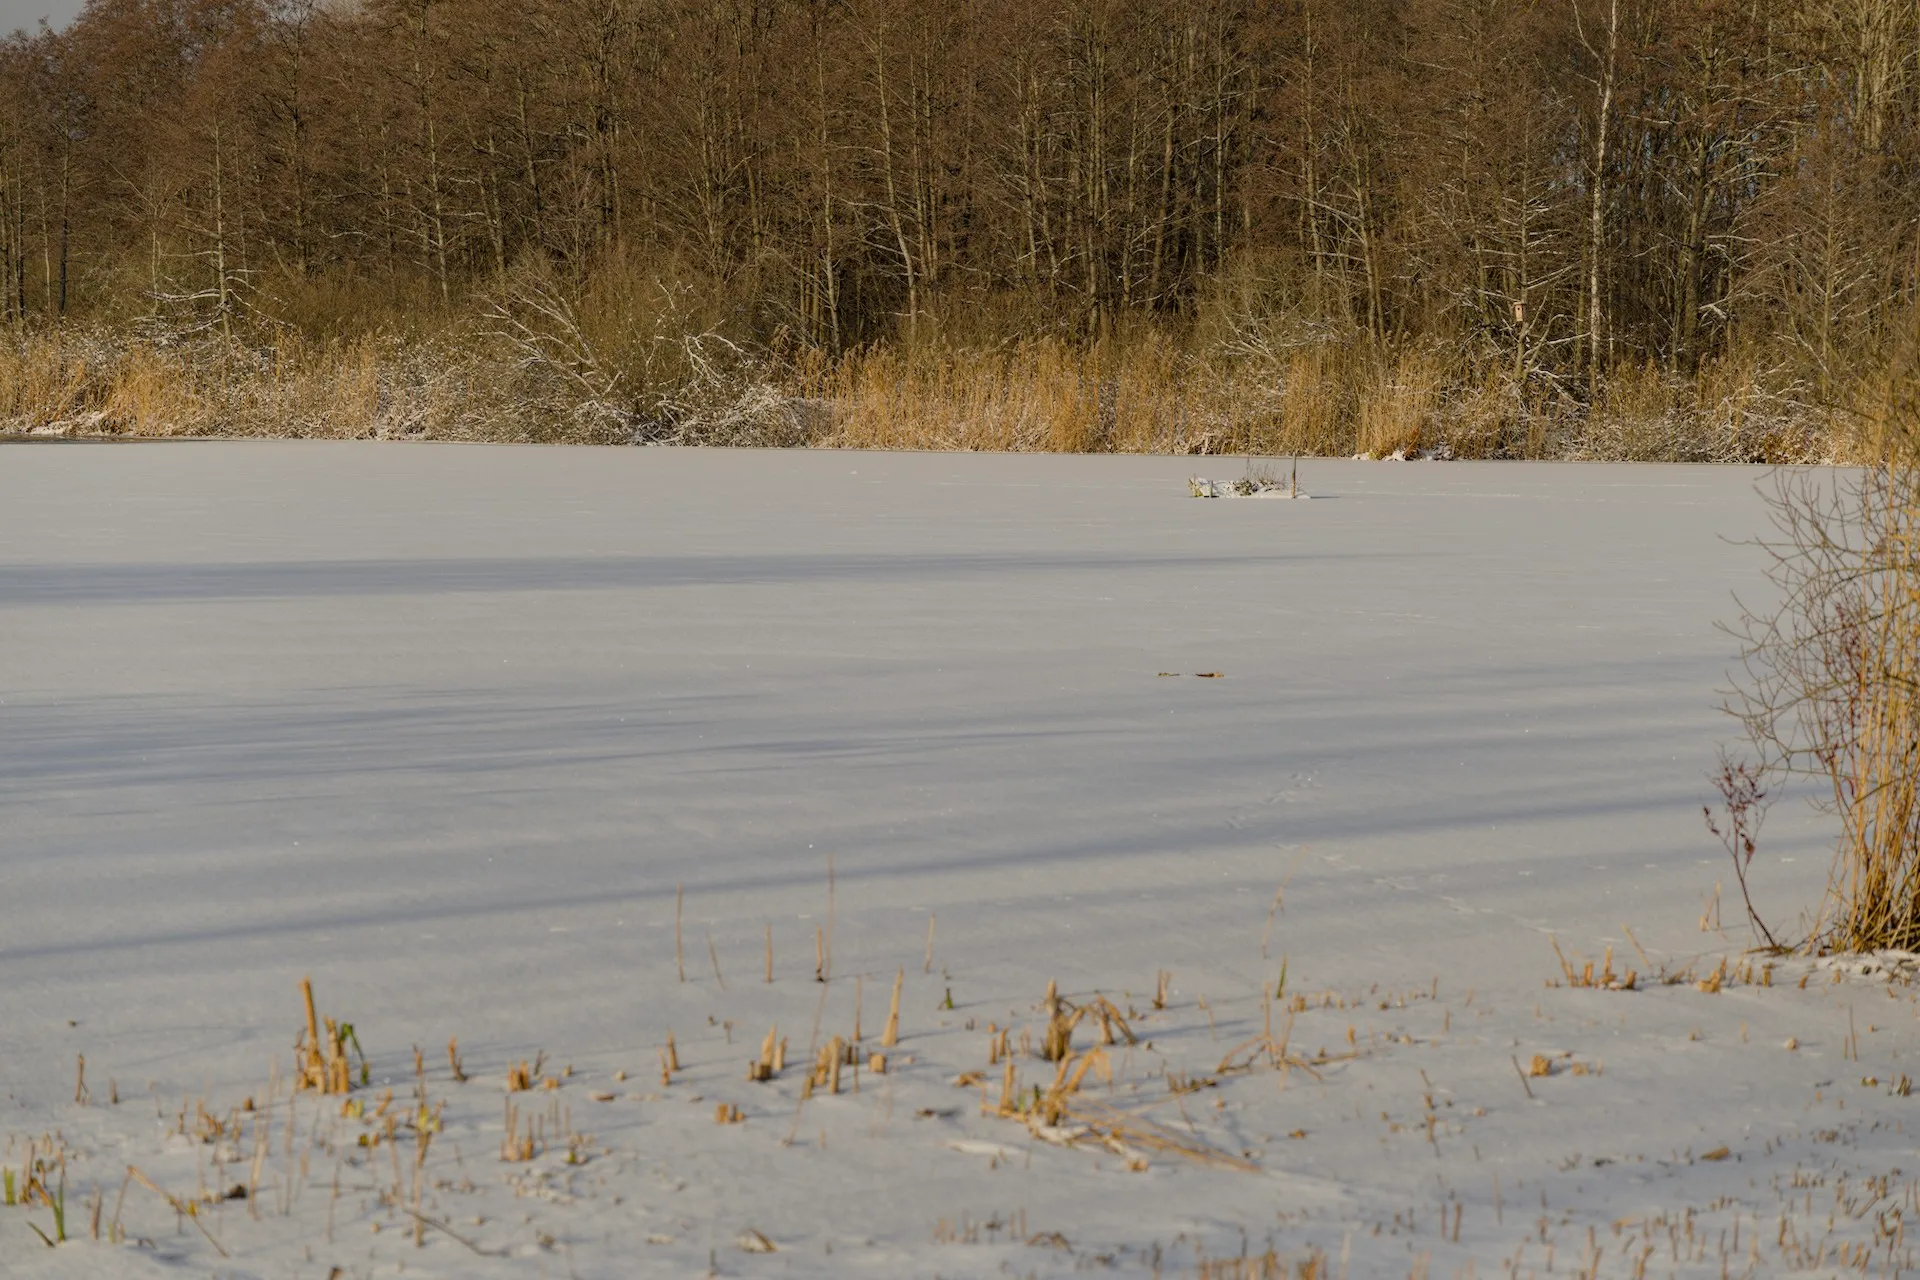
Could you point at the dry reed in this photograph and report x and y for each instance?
(545, 367)
(891, 1035)
(1831, 675)
(320, 1058)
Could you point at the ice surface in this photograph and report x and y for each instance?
(447, 727)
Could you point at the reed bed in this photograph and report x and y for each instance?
(555, 372)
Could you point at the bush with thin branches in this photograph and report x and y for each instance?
(1830, 683)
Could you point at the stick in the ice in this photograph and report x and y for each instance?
(1644, 958)
(425, 1221)
(931, 917)
(120, 1202)
(826, 964)
(715, 957)
(180, 1207)
(1522, 1074)
(679, 893)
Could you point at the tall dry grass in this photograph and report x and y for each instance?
(365, 388)
(1144, 395)
(1400, 407)
(1042, 394)
(1733, 410)
(643, 357)
(1332, 398)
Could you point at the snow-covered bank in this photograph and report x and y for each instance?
(449, 729)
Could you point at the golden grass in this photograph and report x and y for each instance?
(1399, 409)
(1149, 394)
(1148, 391)
(360, 388)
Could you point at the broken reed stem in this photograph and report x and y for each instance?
(679, 959)
(1057, 1043)
(769, 1063)
(891, 1036)
(819, 954)
(313, 1022)
(714, 956)
(321, 1060)
(928, 967)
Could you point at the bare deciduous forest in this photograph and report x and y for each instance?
(1661, 229)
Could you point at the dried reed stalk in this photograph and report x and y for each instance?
(891, 1036)
(1056, 1043)
(320, 1060)
(771, 1058)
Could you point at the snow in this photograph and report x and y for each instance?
(448, 729)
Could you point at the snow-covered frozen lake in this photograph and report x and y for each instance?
(450, 728)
